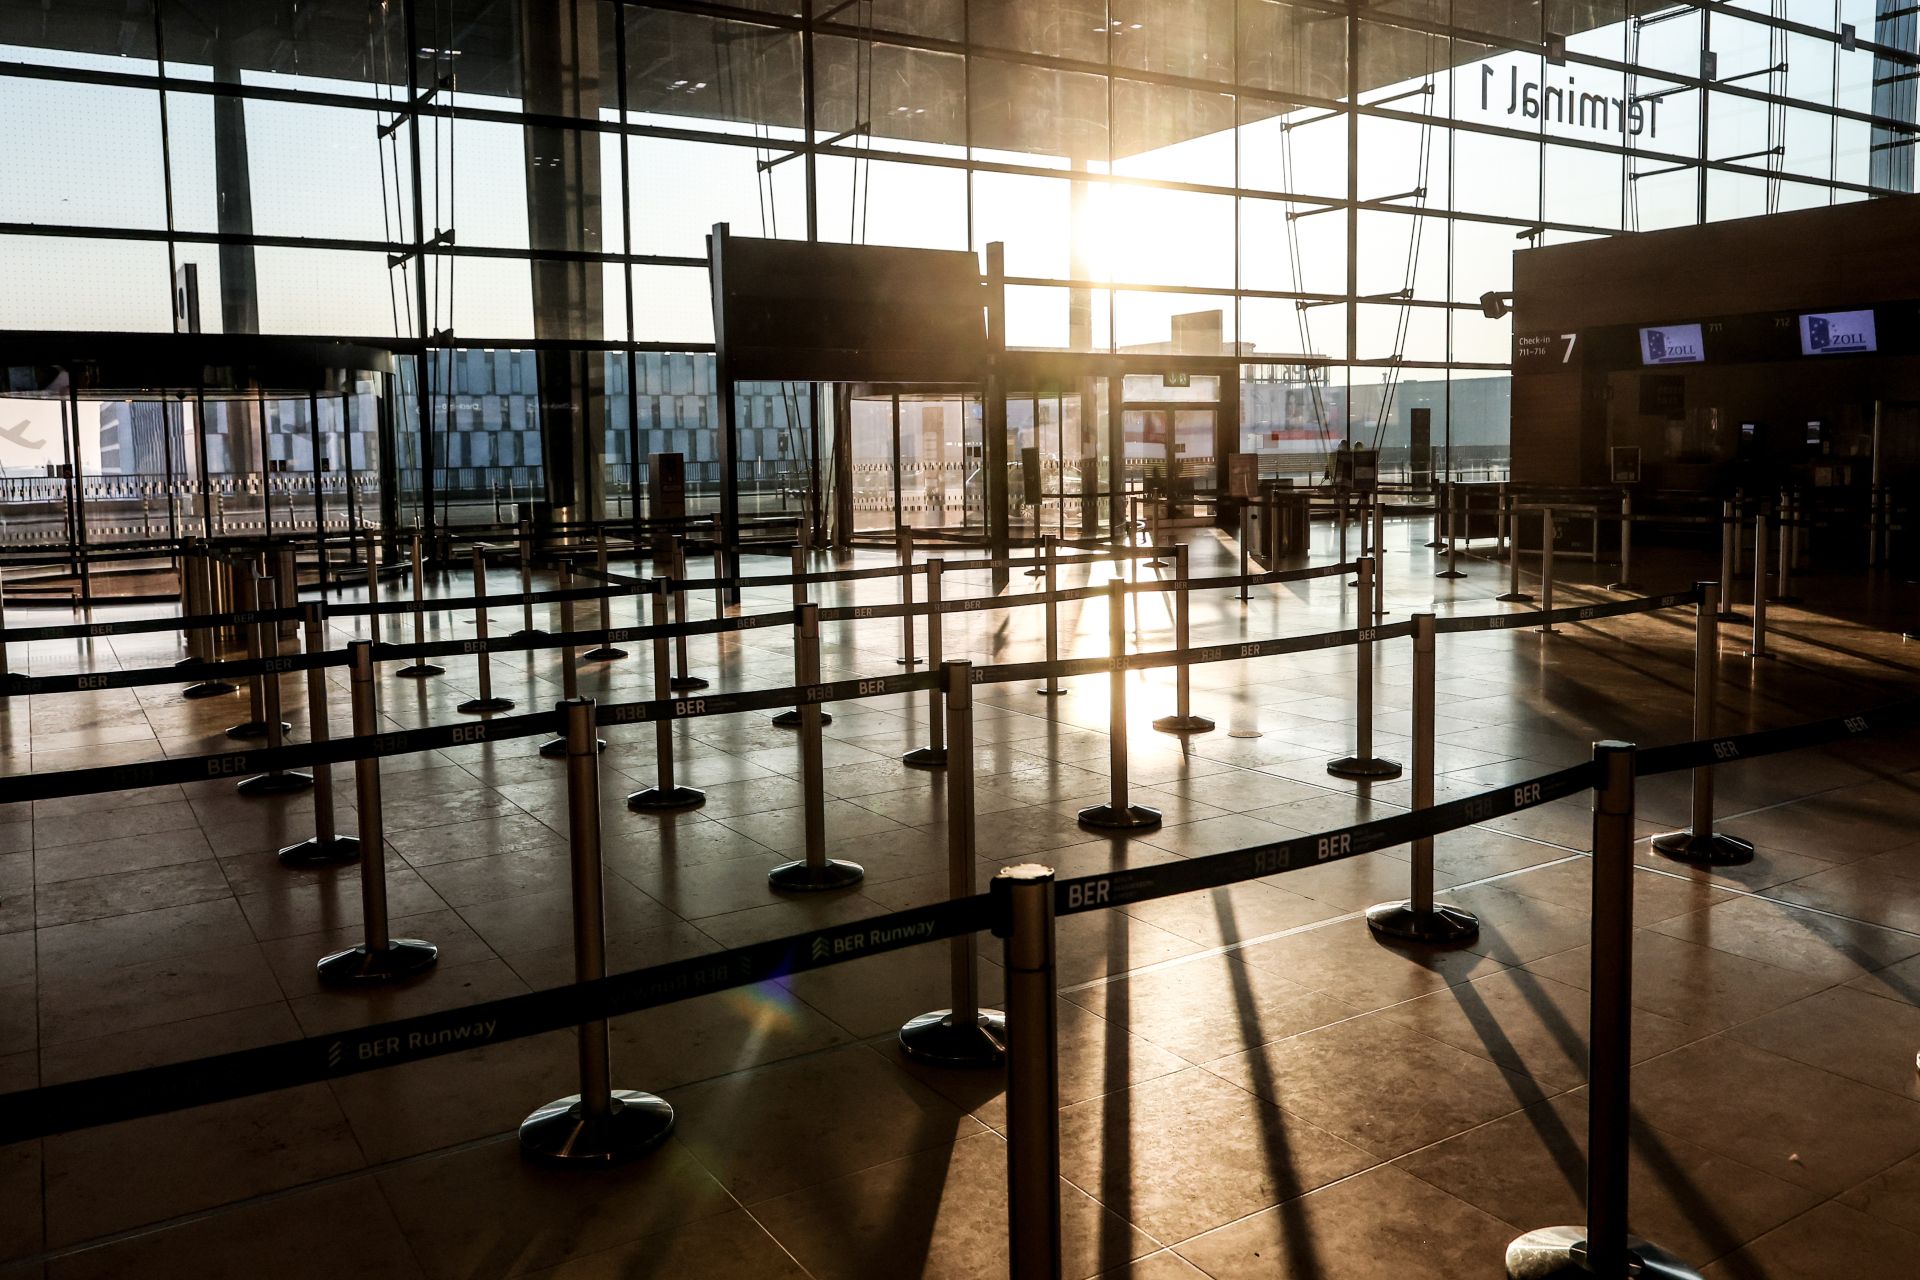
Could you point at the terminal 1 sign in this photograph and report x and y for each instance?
(1568, 104)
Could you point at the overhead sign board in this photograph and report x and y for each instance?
(1834, 333)
(1672, 344)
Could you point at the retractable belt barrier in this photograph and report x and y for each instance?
(51, 1109)
(137, 626)
(86, 682)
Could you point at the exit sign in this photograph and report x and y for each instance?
(1176, 379)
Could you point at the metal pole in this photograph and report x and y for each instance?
(1739, 543)
(380, 958)
(598, 1125)
(483, 660)
(419, 668)
(325, 848)
(905, 550)
(6, 668)
(1876, 501)
(555, 748)
(666, 795)
(1789, 520)
(1453, 569)
(1514, 595)
(1379, 561)
(1023, 911)
(1246, 535)
(1501, 520)
(1052, 689)
(247, 602)
(965, 1035)
(1363, 765)
(1546, 566)
(1601, 1247)
(1420, 919)
(275, 781)
(1117, 814)
(1626, 582)
(934, 754)
(790, 718)
(1729, 535)
(1700, 844)
(1757, 648)
(1182, 720)
(685, 681)
(526, 579)
(817, 871)
(605, 651)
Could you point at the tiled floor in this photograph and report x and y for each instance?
(1252, 1086)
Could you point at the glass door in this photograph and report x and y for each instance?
(36, 498)
(1191, 466)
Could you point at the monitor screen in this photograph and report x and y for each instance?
(1833, 333)
(1672, 344)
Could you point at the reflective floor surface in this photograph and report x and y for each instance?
(1252, 1085)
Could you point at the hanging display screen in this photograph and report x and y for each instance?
(1672, 344)
(1834, 333)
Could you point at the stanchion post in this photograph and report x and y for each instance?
(964, 1035)
(666, 795)
(325, 848)
(1514, 595)
(934, 754)
(1626, 582)
(1757, 645)
(1023, 914)
(1379, 561)
(605, 650)
(905, 549)
(1546, 567)
(1183, 720)
(275, 781)
(1788, 521)
(1420, 919)
(1117, 814)
(1700, 844)
(1246, 537)
(1729, 538)
(1453, 569)
(599, 1124)
(555, 748)
(816, 871)
(526, 580)
(1363, 765)
(247, 598)
(483, 660)
(685, 681)
(380, 958)
(419, 668)
(1052, 689)
(1502, 523)
(6, 668)
(790, 718)
(1601, 1246)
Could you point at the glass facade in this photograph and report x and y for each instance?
(1320, 192)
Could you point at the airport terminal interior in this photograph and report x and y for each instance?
(1203, 638)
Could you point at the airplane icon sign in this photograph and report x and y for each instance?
(18, 434)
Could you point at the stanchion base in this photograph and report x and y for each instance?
(1153, 564)
(248, 730)
(208, 689)
(686, 684)
(799, 877)
(1625, 586)
(790, 718)
(1127, 817)
(420, 670)
(1451, 573)
(1363, 769)
(1515, 597)
(523, 633)
(556, 748)
(1183, 724)
(558, 1133)
(909, 662)
(1045, 692)
(666, 800)
(1443, 926)
(1560, 1253)
(315, 852)
(485, 706)
(605, 653)
(1035, 573)
(936, 1038)
(274, 784)
(925, 758)
(1710, 850)
(400, 958)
